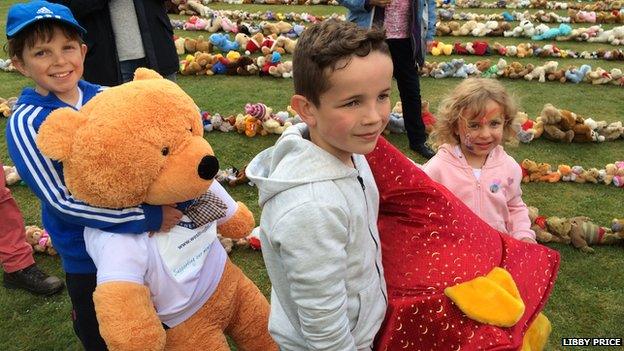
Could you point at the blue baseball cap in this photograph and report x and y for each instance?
(21, 15)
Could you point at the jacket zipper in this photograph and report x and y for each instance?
(361, 181)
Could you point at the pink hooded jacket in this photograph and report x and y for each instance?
(496, 197)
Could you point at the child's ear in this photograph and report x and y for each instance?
(83, 51)
(19, 65)
(57, 132)
(305, 108)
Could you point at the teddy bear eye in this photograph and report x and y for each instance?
(165, 151)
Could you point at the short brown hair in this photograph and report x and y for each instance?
(39, 30)
(323, 46)
(468, 100)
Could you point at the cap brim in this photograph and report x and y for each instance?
(14, 31)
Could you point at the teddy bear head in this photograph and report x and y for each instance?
(559, 226)
(140, 142)
(550, 114)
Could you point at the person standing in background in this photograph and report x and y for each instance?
(123, 35)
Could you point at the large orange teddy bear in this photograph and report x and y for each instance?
(454, 283)
(142, 142)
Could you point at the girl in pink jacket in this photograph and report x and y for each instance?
(471, 125)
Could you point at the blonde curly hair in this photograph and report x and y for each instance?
(467, 101)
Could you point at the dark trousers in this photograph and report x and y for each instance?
(80, 288)
(408, 81)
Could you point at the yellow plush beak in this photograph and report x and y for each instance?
(537, 335)
(493, 299)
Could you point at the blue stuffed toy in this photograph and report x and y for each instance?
(576, 75)
(219, 68)
(508, 17)
(552, 33)
(396, 123)
(223, 42)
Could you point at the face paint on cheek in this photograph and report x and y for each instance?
(468, 143)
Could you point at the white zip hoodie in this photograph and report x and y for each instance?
(320, 245)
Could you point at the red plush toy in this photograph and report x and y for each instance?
(460, 49)
(481, 48)
(431, 241)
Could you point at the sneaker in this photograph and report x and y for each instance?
(34, 280)
(423, 150)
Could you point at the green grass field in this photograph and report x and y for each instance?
(587, 298)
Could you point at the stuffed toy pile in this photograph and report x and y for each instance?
(580, 231)
(142, 142)
(613, 173)
(453, 281)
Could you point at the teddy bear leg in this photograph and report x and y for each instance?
(202, 336)
(537, 335)
(249, 324)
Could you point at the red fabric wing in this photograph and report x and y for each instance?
(431, 240)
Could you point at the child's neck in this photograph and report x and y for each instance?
(345, 157)
(70, 98)
(474, 161)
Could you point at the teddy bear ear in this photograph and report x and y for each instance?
(144, 73)
(56, 135)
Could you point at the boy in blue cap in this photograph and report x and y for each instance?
(45, 44)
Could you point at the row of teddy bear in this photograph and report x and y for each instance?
(197, 7)
(566, 126)
(457, 68)
(219, 42)
(579, 231)
(574, 16)
(483, 48)
(205, 64)
(525, 28)
(613, 173)
(603, 5)
(284, 44)
(223, 24)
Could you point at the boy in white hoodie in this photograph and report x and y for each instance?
(319, 200)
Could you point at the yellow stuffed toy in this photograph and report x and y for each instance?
(494, 299)
(142, 142)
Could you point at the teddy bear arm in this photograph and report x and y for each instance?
(138, 330)
(239, 225)
(541, 235)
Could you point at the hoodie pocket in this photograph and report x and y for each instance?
(364, 326)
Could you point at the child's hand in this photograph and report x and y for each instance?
(529, 240)
(171, 217)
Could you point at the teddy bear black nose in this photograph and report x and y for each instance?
(208, 167)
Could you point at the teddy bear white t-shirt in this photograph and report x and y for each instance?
(182, 267)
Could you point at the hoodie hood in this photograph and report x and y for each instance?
(293, 161)
(453, 155)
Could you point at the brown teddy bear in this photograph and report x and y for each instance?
(558, 75)
(572, 121)
(40, 240)
(584, 232)
(554, 128)
(559, 227)
(142, 142)
(538, 225)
